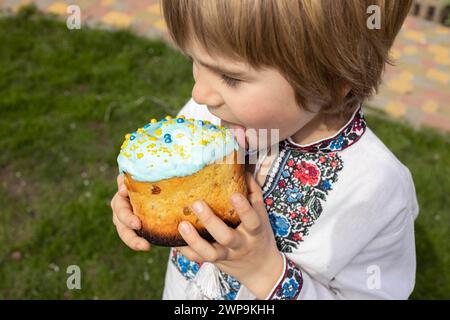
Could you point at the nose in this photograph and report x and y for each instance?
(203, 91)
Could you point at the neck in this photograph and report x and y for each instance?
(320, 127)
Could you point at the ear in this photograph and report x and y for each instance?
(346, 89)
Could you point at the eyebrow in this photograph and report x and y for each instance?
(220, 70)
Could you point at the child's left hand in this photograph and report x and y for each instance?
(248, 253)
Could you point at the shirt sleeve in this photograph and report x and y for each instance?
(384, 270)
(290, 283)
(380, 266)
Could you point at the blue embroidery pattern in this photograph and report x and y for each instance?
(342, 140)
(291, 284)
(294, 195)
(297, 184)
(190, 268)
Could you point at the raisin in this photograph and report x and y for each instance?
(186, 211)
(156, 189)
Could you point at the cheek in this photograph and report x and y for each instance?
(270, 109)
(257, 115)
(265, 108)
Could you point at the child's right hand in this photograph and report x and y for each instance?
(125, 221)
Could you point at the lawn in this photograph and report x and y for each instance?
(66, 99)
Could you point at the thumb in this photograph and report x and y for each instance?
(122, 188)
(123, 191)
(120, 180)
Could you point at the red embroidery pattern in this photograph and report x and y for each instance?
(295, 188)
(351, 133)
(294, 195)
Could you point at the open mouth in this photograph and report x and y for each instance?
(237, 129)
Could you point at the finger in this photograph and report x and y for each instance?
(254, 190)
(121, 187)
(131, 239)
(124, 212)
(123, 191)
(114, 219)
(190, 254)
(222, 233)
(120, 180)
(116, 222)
(250, 219)
(202, 247)
(255, 196)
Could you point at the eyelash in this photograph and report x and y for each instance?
(231, 82)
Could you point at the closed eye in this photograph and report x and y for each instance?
(231, 82)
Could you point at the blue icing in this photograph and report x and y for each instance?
(173, 148)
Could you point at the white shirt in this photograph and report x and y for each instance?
(342, 210)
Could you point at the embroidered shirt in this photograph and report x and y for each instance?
(342, 210)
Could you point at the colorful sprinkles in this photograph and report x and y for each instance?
(174, 143)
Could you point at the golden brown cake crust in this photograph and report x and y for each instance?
(162, 205)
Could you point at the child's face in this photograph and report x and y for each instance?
(260, 99)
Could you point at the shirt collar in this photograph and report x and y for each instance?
(351, 132)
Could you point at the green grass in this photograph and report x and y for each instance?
(66, 100)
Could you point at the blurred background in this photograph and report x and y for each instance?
(70, 88)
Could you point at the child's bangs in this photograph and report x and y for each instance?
(223, 28)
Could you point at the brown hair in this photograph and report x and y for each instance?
(321, 47)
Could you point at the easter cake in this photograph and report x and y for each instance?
(171, 163)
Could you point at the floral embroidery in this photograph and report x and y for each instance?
(186, 267)
(234, 286)
(354, 130)
(190, 268)
(307, 173)
(294, 195)
(290, 285)
(295, 188)
(280, 225)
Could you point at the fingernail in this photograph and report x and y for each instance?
(184, 227)
(123, 188)
(197, 206)
(236, 198)
(136, 225)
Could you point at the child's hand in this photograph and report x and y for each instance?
(249, 253)
(124, 219)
